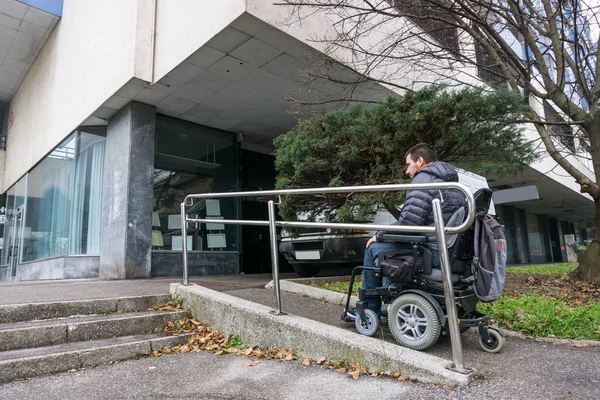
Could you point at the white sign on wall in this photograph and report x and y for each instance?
(215, 240)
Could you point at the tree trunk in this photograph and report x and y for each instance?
(589, 265)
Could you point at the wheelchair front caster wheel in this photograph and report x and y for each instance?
(497, 341)
(369, 326)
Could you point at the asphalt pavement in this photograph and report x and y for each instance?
(525, 369)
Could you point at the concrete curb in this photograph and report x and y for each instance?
(34, 311)
(314, 292)
(62, 361)
(256, 326)
(555, 341)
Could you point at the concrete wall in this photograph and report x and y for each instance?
(548, 166)
(183, 26)
(88, 57)
(315, 29)
(68, 267)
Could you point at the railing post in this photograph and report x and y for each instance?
(186, 281)
(455, 340)
(274, 258)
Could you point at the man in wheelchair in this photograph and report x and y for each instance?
(403, 271)
(422, 167)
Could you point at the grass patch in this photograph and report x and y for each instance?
(553, 269)
(341, 286)
(541, 316)
(541, 307)
(235, 343)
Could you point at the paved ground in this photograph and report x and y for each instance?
(524, 370)
(79, 289)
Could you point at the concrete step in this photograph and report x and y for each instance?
(29, 363)
(34, 311)
(20, 335)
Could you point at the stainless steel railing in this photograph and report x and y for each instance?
(439, 229)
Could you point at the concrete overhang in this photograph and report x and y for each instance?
(25, 26)
(243, 80)
(553, 198)
(516, 195)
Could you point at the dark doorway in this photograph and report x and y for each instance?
(257, 174)
(256, 256)
(554, 240)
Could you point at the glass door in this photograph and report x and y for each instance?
(14, 248)
(13, 232)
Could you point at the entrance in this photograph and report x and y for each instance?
(13, 229)
(555, 242)
(256, 256)
(12, 241)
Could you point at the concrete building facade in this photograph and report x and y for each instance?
(114, 110)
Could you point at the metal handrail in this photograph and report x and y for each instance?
(438, 228)
(188, 201)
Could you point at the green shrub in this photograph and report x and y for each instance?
(579, 248)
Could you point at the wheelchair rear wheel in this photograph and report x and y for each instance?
(414, 322)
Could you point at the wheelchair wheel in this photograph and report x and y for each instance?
(497, 342)
(369, 326)
(414, 322)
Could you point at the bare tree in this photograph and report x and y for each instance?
(546, 50)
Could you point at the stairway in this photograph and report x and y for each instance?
(46, 338)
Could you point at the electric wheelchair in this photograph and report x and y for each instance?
(416, 309)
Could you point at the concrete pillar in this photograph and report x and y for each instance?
(127, 196)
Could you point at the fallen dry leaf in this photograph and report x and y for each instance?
(305, 361)
(355, 374)
(251, 364)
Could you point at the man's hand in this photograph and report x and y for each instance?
(372, 240)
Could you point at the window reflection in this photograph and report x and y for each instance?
(59, 212)
(193, 159)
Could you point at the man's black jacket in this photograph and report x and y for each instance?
(418, 209)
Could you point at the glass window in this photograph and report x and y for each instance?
(64, 199)
(192, 159)
(537, 246)
(47, 223)
(86, 214)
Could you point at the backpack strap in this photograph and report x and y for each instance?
(476, 246)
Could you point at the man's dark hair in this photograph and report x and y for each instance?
(422, 150)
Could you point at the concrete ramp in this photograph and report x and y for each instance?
(256, 326)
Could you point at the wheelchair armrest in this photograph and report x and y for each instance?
(389, 237)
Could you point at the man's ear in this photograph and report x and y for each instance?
(420, 161)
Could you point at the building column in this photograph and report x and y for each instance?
(127, 195)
